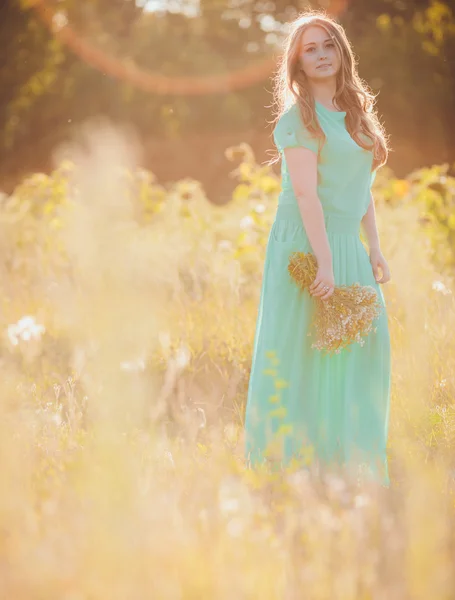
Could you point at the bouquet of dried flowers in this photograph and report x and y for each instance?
(346, 316)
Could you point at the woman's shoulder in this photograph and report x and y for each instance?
(287, 123)
(290, 117)
(290, 131)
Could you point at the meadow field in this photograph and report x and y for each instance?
(128, 316)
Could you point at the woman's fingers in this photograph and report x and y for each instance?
(327, 295)
(318, 291)
(385, 274)
(384, 279)
(316, 286)
(321, 291)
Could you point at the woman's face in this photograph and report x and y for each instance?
(318, 56)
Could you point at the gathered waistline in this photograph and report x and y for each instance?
(334, 222)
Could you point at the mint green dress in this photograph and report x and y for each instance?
(326, 413)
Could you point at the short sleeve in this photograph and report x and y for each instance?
(290, 132)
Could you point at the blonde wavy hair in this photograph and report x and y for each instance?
(352, 94)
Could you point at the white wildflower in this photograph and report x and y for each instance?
(247, 222)
(336, 484)
(361, 500)
(134, 366)
(228, 505)
(224, 245)
(299, 478)
(182, 356)
(169, 458)
(59, 21)
(259, 208)
(228, 500)
(328, 518)
(56, 419)
(26, 329)
(438, 286)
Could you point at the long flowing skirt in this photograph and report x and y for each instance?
(323, 411)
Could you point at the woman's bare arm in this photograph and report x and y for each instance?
(370, 227)
(302, 166)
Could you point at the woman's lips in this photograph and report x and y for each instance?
(322, 66)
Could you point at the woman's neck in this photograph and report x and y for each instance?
(324, 93)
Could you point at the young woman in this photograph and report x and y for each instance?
(326, 411)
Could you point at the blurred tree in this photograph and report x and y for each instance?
(408, 56)
(406, 50)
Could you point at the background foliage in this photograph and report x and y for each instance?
(128, 303)
(406, 51)
(127, 317)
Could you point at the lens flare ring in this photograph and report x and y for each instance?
(157, 83)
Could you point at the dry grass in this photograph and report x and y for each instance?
(121, 428)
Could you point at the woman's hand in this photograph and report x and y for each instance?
(324, 278)
(378, 261)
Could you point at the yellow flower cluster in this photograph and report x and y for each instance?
(346, 316)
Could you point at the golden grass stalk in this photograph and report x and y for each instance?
(344, 318)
